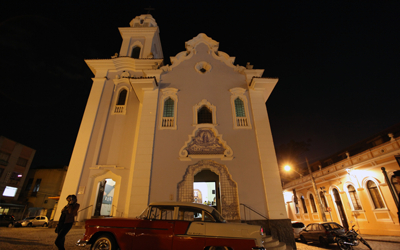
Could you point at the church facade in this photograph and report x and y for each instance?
(196, 130)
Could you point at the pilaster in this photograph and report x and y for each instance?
(269, 166)
(142, 157)
(81, 147)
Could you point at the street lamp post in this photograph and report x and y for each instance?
(321, 207)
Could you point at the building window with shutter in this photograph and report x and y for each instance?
(168, 108)
(240, 111)
(303, 202)
(355, 201)
(323, 199)
(375, 195)
(312, 202)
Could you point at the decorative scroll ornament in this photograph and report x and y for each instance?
(205, 142)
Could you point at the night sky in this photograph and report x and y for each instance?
(337, 64)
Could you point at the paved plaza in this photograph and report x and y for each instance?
(43, 238)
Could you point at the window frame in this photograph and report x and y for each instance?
(235, 94)
(303, 202)
(120, 109)
(356, 197)
(211, 107)
(371, 196)
(165, 95)
(134, 45)
(313, 205)
(324, 201)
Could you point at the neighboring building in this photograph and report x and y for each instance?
(15, 161)
(42, 190)
(153, 132)
(353, 187)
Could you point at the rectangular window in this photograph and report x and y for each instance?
(4, 158)
(22, 162)
(14, 179)
(36, 187)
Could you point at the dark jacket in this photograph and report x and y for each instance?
(70, 211)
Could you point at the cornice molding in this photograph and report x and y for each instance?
(103, 66)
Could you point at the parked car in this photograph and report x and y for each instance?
(7, 220)
(324, 232)
(33, 221)
(297, 228)
(172, 225)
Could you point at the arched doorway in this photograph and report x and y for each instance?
(340, 208)
(207, 182)
(228, 203)
(105, 195)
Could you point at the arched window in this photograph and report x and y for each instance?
(323, 199)
(375, 195)
(312, 201)
(135, 52)
(168, 113)
(354, 197)
(122, 97)
(204, 115)
(169, 108)
(303, 202)
(120, 105)
(239, 108)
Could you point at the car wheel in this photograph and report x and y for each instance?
(343, 246)
(303, 240)
(29, 225)
(10, 225)
(45, 224)
(104, 241)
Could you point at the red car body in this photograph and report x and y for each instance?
(146, 232)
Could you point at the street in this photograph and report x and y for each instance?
(43, 238)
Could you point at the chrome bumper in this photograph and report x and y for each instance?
(81, 243)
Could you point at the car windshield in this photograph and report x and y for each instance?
(30, 218)
(335, 226)
(218, 217)
(143, 215)
(298, 225)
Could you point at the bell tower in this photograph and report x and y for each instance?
(141, 39)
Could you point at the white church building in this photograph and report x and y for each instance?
(196, 130)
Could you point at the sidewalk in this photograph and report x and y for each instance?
(383, 238)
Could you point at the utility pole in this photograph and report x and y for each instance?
(321, 207)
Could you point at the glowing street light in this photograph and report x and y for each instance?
(288, 168)
(322, 214)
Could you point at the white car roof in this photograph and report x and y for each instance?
(180, 203)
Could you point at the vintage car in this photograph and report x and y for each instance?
(172, 225)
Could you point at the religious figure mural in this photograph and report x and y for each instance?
(205, 142)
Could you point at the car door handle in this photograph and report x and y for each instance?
(200, 223)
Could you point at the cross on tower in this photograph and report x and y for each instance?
(149, 9)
